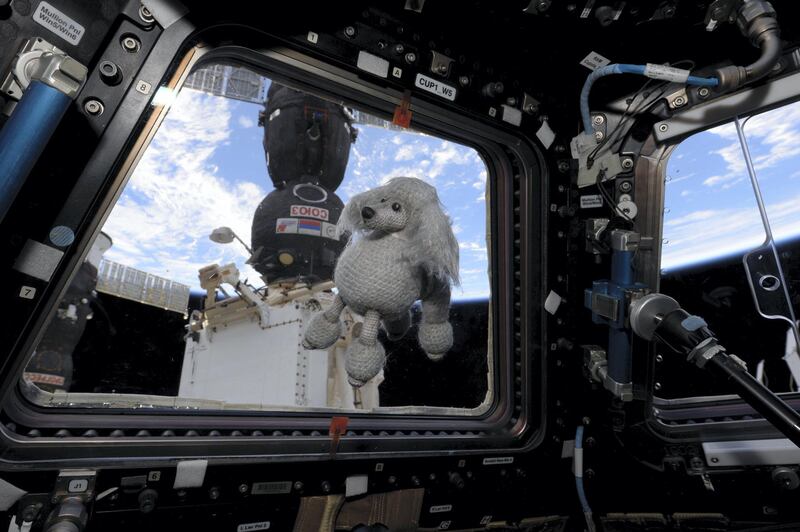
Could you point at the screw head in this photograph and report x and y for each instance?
(243, 488)
(531, 108)
(326, 486)
(298, 486)
(663, 128)
(598, 120)
(93, 107)
(563, 166)
(146, 15)
(657, 386)
(130, 44)
(679, 101)
(410, 57)
(350, 31)
(625, 186)
(399, 49)
(627, 163)
(598, 135)
(463, 80)
(703, 92)
(441, 69)
(659, 358)
(213, 493)
(511, 101)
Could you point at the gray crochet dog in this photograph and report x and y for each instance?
(402, 250)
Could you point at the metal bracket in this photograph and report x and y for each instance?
(37, 59)
(440, 64)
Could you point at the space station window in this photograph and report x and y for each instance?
(731, 247)
(215, 283)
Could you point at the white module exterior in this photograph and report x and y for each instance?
(245, 363)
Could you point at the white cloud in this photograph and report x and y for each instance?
(176, 197)
(773, 137)
(711, 233)
(246, 121)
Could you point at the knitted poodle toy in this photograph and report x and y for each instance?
(402, 250)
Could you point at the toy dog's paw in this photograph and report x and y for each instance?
(364, 361)
(321, 333)
(396, 329)
(436, 339)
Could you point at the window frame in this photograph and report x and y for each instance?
(516, 419)
(702, 418)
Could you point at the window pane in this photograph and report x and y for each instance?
(712, 222)
(222, 249)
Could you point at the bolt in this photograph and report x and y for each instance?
(410, 57)
(399, 49)
(657, 386)
(298, 486)
(598, 120)
(243, 488)
(703, 92)
(130, 44)
(463, 80)
(213, 493)
(326, 486)
(350, 32)
(382, 45)
(659, 358)
(598, 135)
(145, 15)
(531, 108)
(679, 101)
(663, 128)
(93, 107)
(441, 69)
(627, 163)
(392, 479)
(625, 186)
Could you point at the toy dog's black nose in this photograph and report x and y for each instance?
(367, 213)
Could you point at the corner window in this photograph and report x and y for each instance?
(730, 260)
(221, 252)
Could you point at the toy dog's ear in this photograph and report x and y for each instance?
(438, 247)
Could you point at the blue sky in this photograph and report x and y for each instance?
(205, 168)
(710, 207)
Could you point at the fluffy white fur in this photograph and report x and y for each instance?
(402, 249)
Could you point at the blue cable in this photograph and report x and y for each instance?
(579, 474)
(622, 68)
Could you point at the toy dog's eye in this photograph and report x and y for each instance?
(396, 207)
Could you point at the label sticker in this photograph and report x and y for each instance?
(250, 527)
(587, 9)
(329, 231)
(441, 508)
(312, 37)
(492, 112)
(309, 227)
(379, 467)
(462, 463)
(667, 73)
(591, 201)
(594, 61)
(445, 525)
(27, 292)
(486, 520)
(498, 460)
(286, 225)
(44, 378)
(436, 87)
(58, 22)
(154, 476)
(271, 488)
(397, 72)
(512, 115)
(373, 64)
(309, 211)
(143, 87)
